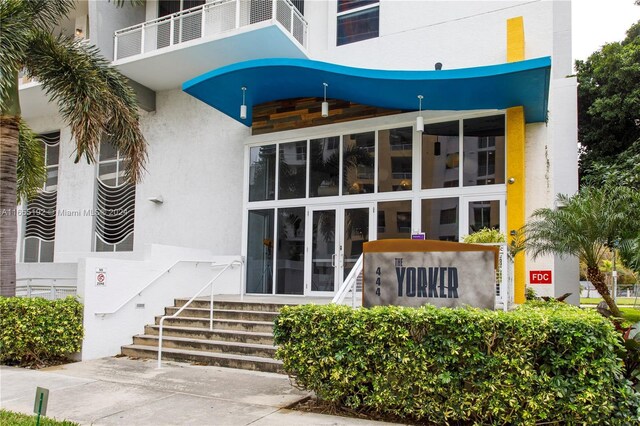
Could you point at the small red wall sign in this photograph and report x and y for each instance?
(540, 277)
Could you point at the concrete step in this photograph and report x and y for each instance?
(223, 314)
(219, 324)
(206, 334)
(207, 358)
(232, 305)
(252, 349)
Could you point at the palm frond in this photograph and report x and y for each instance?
(93, 98)
(47, 13)
(586, 226)
(15, 27)
(31, 171)
(121, 3)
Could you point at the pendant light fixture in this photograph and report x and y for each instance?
(419, 119)
(243, 107)
(325, 104)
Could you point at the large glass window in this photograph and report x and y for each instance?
(484, 161)
(440, 155)
(290, 251)
(324, 167)
(395, 148)
(358, 159)
(292, 179)
(394, 219)
(357, 20)
(260, 251)
(40, 223)
(262, 173)
(115, 202)
(440, 219)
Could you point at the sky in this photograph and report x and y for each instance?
(596, 22)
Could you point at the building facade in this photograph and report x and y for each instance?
(245, 161)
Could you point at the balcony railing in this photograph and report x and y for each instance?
(207, 20)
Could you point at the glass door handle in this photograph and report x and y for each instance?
(333, 260)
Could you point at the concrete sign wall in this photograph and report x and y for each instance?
(415, 273)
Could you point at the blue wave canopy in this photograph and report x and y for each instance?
(523, 83)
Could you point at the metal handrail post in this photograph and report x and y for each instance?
(209, 283)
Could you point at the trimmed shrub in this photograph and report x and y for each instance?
(18, 419)
(37, 332)
(544, 362)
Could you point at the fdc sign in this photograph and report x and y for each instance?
(440, 273)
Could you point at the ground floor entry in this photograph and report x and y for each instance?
(305, 251)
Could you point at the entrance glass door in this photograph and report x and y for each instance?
(337, 237)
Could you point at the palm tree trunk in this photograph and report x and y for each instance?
(8, 204)
(597, 279)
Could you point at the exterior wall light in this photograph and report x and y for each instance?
(419, 119)
(325, 104)
(243, 107)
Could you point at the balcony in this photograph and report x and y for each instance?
(163, 53)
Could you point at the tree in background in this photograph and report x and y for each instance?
(609, 107)
(93, 99)
(587, 226)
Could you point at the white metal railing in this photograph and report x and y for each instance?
(51, 290)
(350, 284)
(149, 284)
(209, 283)
(206, 20)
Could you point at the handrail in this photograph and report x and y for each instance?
(349, 283)
(209, 283)
(157, 277)
(45, 278)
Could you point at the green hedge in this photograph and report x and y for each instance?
(18, 419)
(36, 331)
(544, 362)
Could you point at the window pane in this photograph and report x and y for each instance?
(260, 252)
(440, 219)
(46, 251)
(107, 151)
(53, 152)
(262, 173)
(356, 233)
(394, 219)
(102, 246)
(31, 249)
(440, 156)
(323, 248)
(290, 256)
(358, 26)
(395, 148)
(51, 183)
(484, 150)
(358, 159)
(107, 173)
(293, 170)
(324, 173)
(484, 214)
(126, 244)
(352, 4)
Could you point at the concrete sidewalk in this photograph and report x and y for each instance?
(121, 391)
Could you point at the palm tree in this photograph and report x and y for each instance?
(588, 225)
(93, 99)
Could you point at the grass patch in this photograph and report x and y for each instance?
(631, 314)
(19, 419)
(596, 300)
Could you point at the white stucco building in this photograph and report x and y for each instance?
(290, 191)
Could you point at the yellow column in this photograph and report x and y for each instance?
(515, 158)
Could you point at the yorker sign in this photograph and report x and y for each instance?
(416, 273)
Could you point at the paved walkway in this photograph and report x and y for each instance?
(121, 391)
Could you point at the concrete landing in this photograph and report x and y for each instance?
(122, 391)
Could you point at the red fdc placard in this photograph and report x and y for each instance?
(540, 277)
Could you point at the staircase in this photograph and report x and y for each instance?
(242, 335)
